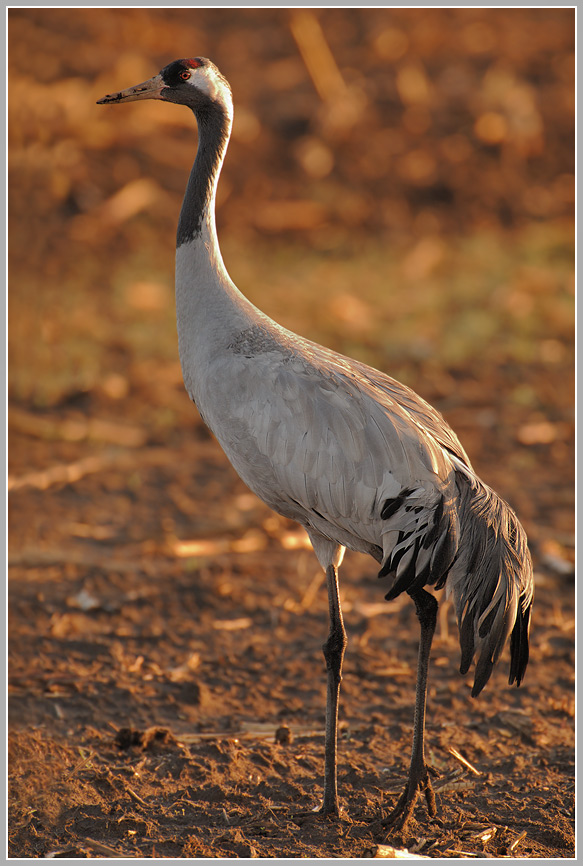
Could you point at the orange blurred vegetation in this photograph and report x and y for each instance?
(386, 122)
(400, 185)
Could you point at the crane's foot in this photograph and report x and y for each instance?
(418, 783)
(328, 812)
(330, 807)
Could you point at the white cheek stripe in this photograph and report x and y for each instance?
(205, 81)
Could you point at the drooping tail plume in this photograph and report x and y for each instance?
(491, 581)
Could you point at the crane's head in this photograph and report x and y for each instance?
(194, 82)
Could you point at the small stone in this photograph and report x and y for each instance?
(283, 735)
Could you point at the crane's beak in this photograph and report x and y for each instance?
(150, 89)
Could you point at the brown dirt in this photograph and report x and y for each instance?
(147, 686)
(166, 679)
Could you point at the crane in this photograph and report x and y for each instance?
(358, 459)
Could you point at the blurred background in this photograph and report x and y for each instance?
(399, 186)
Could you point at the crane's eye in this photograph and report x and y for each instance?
(185, 75)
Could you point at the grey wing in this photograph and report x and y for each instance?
(329, 449)
(364, 463)
(410, 405)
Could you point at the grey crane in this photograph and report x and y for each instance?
(356, 458)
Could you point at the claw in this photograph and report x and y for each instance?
(320, 813)
(400, 815)
(328, 811)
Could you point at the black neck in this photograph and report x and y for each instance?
(213, 136)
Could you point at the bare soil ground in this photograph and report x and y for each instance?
(167, 696)
(166, 679)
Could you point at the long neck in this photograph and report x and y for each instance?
(214, 130)
(210, 310)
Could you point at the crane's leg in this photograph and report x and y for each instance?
(426, 607)
(334, 655)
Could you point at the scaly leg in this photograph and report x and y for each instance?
(334, 655)
(426, 606)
